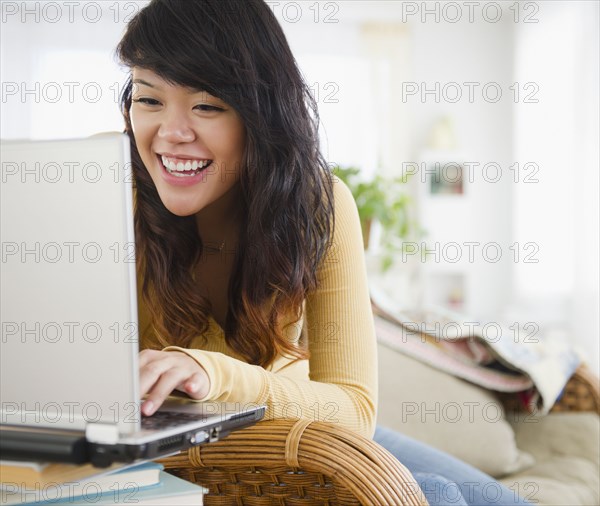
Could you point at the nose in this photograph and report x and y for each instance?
(175, 128)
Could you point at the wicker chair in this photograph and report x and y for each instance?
(582, 393)
(296, 462)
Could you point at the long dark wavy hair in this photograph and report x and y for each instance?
(236, 51)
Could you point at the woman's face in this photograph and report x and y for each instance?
(191, 142)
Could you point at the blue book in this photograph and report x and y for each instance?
(112, 484)
(170, 491)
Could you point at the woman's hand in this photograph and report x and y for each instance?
(161, 372)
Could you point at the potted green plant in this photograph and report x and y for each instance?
(387, 201)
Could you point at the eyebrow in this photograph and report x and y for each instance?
(145, 83)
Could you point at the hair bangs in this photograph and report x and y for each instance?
(193, 58)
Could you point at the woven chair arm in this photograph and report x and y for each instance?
(581, 393)
(297, 462)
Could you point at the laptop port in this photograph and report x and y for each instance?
(170, 443)
(214, 434)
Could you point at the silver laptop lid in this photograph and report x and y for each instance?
(68, 305)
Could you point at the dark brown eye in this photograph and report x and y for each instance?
(208, 108)
(147, 101)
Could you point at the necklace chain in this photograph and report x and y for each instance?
(213, 249)
(219, 249)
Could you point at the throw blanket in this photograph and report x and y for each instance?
(533, 366)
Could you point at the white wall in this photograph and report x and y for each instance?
(479, 52)
(560, 133)
(59, 76)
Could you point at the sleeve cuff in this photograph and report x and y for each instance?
(205, 364)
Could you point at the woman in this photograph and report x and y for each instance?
(254, 286)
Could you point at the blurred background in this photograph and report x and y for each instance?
(491, 108)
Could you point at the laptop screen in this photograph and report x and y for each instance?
(68, 299)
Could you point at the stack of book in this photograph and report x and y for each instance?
(144, 483)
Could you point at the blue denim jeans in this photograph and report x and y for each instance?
(445, 480)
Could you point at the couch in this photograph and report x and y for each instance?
(550, 460)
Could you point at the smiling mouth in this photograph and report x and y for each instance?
(183, 168)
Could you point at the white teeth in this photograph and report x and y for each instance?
(181, 174)
(177, 168)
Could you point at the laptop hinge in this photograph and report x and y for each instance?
(102, 433)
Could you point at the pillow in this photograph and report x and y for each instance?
(447, 413)
(565, 446)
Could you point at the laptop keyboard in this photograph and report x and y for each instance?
(167, 419)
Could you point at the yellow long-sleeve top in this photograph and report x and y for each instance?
(338, 383)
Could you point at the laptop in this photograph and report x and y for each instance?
(69, 379)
